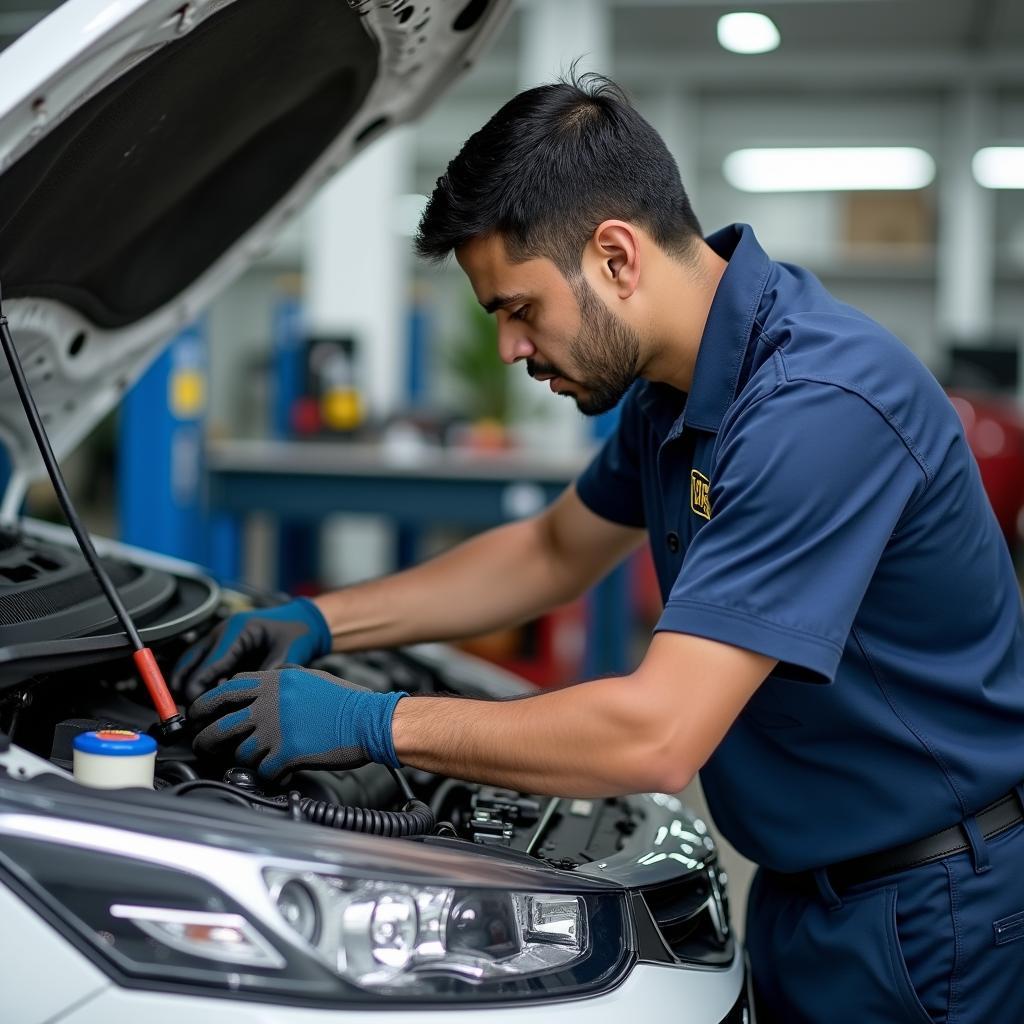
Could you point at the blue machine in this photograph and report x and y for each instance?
(161, 473)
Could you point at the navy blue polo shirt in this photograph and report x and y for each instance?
(813, 499)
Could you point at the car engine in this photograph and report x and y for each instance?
(66, 671)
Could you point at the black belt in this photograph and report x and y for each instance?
(996, 818)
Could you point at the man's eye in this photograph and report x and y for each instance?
(520, 313)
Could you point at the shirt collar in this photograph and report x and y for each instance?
(729, 326)
(724, 343)
(727, 334)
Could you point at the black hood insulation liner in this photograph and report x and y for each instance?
(142, 188)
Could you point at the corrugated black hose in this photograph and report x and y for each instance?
(415, 819)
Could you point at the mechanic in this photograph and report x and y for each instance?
(841, 652)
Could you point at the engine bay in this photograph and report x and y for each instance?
(50, 608)
(46, 715)
(65, 669)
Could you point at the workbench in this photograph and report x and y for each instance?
(310, 480)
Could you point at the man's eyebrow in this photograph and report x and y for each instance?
(500, 301)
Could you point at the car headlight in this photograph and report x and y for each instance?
(389, 935)
(164, 913)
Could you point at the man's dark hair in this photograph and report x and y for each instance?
(550, 166)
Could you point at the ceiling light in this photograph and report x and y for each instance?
(999, 167)
(835, 169)
(747, 33)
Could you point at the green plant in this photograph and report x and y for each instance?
(474, 360)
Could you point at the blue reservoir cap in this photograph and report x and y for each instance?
(115, 743)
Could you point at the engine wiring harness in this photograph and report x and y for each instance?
(414, 819)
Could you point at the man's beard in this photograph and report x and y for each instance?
(606, 352)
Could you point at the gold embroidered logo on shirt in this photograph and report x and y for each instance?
(700, 494)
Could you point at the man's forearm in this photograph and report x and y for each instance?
(592, 739)
(498, 578)
(650, 731)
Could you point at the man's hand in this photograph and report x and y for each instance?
(295, 718)
(292, 633)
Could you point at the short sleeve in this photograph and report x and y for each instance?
(809, 483)
(612, 485)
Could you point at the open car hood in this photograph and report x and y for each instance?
(151, 149)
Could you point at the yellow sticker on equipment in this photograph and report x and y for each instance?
(187, 394)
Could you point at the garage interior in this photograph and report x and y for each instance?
(338, 356)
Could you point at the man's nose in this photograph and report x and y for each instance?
(513, 345)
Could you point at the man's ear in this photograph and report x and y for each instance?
(615, 248)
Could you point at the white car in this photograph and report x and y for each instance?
(149, 149)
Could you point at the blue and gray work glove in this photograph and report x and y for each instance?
(293, 718)
(292, 633)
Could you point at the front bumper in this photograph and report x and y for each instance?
(44, 978)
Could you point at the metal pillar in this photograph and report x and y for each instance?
(161, 504)
(356, 283)
(966, 250)
(407, 536)
(608, 624)
(288, 334)
(417, 359)
(676, 117)
(298, 544)
(554, 35)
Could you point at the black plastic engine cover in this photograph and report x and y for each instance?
(54, 616)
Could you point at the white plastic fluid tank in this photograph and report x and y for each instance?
(114, 758)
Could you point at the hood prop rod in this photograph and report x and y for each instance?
(171, 720)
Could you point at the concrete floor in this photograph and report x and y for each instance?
(737, 867)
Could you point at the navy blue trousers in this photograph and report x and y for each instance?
(938, 944)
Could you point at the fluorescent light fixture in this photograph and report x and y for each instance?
(843, 169)
(747, 33)
(999, 167)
